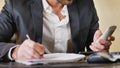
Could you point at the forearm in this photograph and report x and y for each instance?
(94, 25)
(4, 50)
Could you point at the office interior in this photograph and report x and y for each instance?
(109, 14)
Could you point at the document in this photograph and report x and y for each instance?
(54, 58)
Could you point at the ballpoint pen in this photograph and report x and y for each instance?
(30, 39)
(27, 36)
(46, 50)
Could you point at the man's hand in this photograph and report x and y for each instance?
(28, 50)
(104, 44)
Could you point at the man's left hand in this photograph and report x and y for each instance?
(103, 45)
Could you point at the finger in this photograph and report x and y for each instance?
(32, 53)
(37, 47)
(111, 38)
(29, 52)
(97, 34)
(40, 48)
(93, 48)
(105, 43)
(98, 46)
(27, 56)
(107, 48)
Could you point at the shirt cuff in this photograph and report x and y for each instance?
(9, 53)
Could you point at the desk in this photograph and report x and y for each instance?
(65, 65)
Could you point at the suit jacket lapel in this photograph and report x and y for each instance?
(76, 26)
(37, 16)
(74, 19)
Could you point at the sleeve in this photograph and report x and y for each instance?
(9, 53)
(94, 24)
(7, 29)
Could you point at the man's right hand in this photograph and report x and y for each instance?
(28, 50)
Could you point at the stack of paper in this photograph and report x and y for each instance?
(54, 58)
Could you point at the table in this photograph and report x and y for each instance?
(61, 65)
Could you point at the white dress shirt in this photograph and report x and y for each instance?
(56, 33)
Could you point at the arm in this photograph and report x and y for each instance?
(7, 29)
(94, 25)
(95, 34)
(29, 49)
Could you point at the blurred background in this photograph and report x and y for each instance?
(109, 14)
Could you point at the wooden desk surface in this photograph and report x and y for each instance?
(62, 65)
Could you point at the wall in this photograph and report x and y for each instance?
(109, 14)
(1, 4)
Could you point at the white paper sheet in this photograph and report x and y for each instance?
(54, 58)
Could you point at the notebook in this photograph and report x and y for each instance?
(54, 58)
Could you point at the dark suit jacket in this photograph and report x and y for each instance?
(26, 17)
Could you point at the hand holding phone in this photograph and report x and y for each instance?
(103, 56)
(108, 32)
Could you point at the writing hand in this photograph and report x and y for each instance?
(28, 50)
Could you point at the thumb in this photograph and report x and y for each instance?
(97, 34)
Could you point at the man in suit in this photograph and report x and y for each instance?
(52, 25)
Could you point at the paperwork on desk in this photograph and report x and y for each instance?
(54, 58)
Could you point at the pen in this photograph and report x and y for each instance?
(27, 36)
(30, 39)
(46, 50)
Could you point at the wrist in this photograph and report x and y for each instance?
(14, 52)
